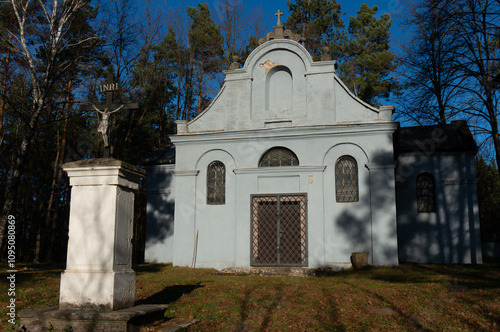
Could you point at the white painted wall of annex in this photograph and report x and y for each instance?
(451, 234)
(160, 188)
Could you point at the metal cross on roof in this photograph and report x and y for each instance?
(105, 110)
(279, 13)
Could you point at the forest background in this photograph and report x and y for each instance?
(443, 66)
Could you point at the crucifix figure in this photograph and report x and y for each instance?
(104, 124)
(106, 110)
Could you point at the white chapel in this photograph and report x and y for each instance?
(287, 167)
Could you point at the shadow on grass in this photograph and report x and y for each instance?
(31, 273)
(484, 276)
(150, 267)
(413, 322)
(269, 305)
(333, 312)
(480, 276)
(169, 294)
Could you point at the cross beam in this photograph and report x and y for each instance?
(279, 13)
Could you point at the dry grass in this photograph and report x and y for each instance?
(410, 297)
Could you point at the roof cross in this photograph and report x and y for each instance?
(279, 13)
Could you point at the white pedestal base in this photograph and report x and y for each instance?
(103, 291)
(99, 273)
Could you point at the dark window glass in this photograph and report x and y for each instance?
(426, 193)
(277, 157)
(346, 179)
(216, 183)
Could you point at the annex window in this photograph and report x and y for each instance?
(346, 180)
(277, 157)
(426, 193)
(216, 183)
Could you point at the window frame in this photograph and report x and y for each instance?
(426, 196)
(216, 185)
(342, 193)
(282, 160)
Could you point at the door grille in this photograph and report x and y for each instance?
(279, 230)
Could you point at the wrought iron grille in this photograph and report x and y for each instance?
(346, 179)
(426, 193)
(216, 183)
(277, 157)
(279, 230)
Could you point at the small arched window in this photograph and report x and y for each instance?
(426, 193)
(216, 183)
(278, 157)
(346, 180)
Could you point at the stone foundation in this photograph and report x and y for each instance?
(124, 320)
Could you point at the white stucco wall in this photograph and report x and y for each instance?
(451, 234)
(159, 247)
(281, 98)
(335, 230)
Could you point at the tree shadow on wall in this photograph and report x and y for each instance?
(359, 225)
(451, 238)
(160, 209)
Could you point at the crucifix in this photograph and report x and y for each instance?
(279, 13)
(105, 110)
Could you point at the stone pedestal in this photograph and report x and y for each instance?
(98, 286)
(99, 273)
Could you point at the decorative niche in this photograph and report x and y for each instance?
(279, 90)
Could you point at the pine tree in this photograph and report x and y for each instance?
(369, 61)
(320, 22)
(205, 40)
(363, 53)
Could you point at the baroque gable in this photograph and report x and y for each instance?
(281, 86)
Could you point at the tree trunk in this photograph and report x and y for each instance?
(200, 87)
(17, 170)
(494, 133)
(4, 89)
(52, 218)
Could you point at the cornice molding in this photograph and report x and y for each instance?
(280, 170)
(345, 129)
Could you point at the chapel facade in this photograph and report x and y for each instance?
(287, 167)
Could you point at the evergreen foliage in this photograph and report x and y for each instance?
(320, 22)
(362, 51)
(368, 62)
(205, 41)
(488, 194)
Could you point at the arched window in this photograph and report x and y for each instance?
(277, 157)
(346, 180)
(216, 183)
(426, 193)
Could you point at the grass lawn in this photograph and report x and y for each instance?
(411, 297)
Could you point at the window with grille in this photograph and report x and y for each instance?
(426, 193)
(277, 157)
(216, 183)
(346, 180)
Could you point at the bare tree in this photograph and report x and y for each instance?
(130, 31)
(476, 29)
(451, 66)
(237, 23)
(128, 34)
(44, 33)
(427, 64)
